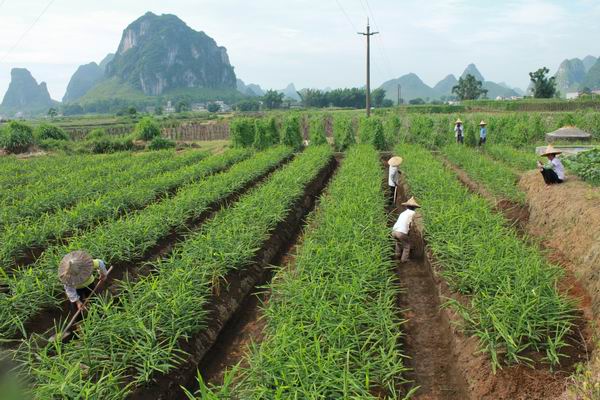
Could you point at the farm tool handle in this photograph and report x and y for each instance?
(395, 192)
(79, 311)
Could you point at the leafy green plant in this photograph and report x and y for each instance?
(160, 143)
(97, 133)
(47, 131)
(318, 133)
(266, 133)
(147, 129)
(370, 131)
(242, 132)
(110, 145)
(586, 165)
(391, 129)
(343, 133)
(16, 137)
(291, 135)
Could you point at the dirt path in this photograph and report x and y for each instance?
(427, 336)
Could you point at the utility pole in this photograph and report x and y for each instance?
(399, 95)
(368, 34)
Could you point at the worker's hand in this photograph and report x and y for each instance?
(539, 164)
(80, 305)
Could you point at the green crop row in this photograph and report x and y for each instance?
(513, 306)
(55, 192)
(495, 176)
(123, 344)
(521, 160)
(23, 172)
(333, 330)
(35, 288)
(586, 165)
(16, 239)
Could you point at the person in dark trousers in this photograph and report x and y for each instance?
(459, 131)
(76, 273)
(553, 172)
(401, 229)
(482, 133)
(394, 177)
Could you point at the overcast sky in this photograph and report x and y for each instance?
(313, 43)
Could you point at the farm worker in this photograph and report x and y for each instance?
(459, 131)
(482, 133)
(394, 176)
(76, 272)
(554, 172)
(401, 229)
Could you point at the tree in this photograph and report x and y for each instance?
(586, 90)
(387, 103)
(378, 96)
(131, 111)
(52, 112)
(469, 88)
(272, 99)
(416, 101)
(247, 105)
(543, 87)
(213, 107)
(182, 106)
(158, 110)
(147, 129)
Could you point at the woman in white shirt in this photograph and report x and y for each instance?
(401, 229)
(554, 172)
(394, 176)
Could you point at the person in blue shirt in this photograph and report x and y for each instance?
(482, 133)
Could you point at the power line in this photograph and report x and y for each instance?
(346, 14)
(383, 47)
(27, 30)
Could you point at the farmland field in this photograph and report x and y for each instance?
(267, 270)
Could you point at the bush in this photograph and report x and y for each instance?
(96, 133)
(343, 133)
(370, 131)
(16, 137)
(241, 131)
(318, 132)
(55, 144)
(47, 131)
(111, 145)
(160, 143)
(265, 133)
(291, 132)
(147, 129)
(391, 130)
(213, 107)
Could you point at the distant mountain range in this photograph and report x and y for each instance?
(575, 74)
(413, 87)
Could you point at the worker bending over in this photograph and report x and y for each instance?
(401, 229)
(76, 272)
(553, 172)
(394, 177)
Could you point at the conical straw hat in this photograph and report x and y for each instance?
(75, 268)
(482, 123)
(550, 150)
(458, 121)
(411, 202)
(395, 161)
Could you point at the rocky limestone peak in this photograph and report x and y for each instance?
(83, 80)
(158, 53)
(24, 93)
(472, 70)
(571, 73)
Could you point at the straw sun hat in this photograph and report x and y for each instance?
(458, 121)
(482, 123)
(550, 150)
(75, 268)
(395, 161)
(411, 203)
